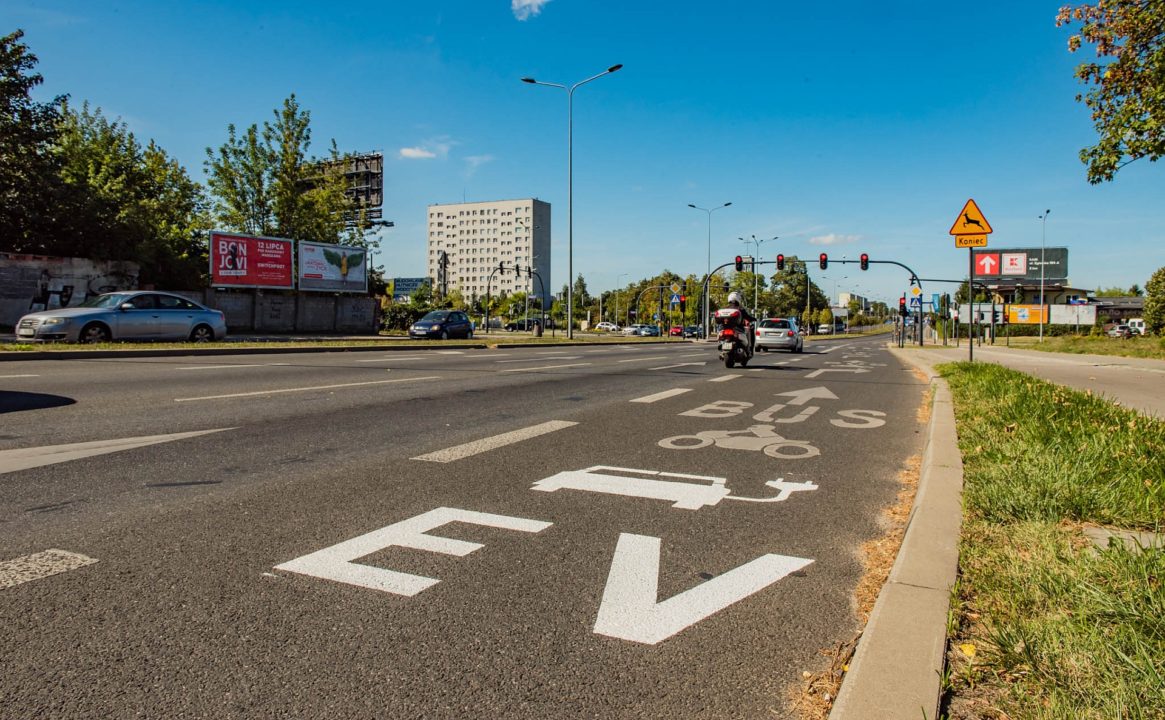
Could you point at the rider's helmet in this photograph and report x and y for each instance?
(733, 297)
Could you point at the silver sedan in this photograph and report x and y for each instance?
(778, 334)
(134, 316)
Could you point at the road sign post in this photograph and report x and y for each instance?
(970, 231)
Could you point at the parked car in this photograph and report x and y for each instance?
(779, 334)
(135, 315)
(1138, 326)
(523, 324)
(1120, 331)
(692, 331)
(824, 329)
(607, 327)
(442, 324)
(676, 331)
(633, 329)
(648, 331)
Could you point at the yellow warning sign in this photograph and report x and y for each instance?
(971, 221)
(970, 241)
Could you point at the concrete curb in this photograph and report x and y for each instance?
(897, 668)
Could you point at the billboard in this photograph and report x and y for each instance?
(332, 268)
(1022, 264)
(250, 262)
(401, 289)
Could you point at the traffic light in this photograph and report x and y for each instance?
(683, 303)
(501, 266)
(865, 262)
(739, 263)
(780, 262)
(823, 261)
(517, 270)
(529, 272)
(902, 306)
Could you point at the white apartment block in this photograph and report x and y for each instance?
(479, 235)
(843, 299)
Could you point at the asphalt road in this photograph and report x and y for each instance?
(537, 532)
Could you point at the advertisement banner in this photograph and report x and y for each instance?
(332, 268)
(1026, 314)
(401, 289)
(250, 262)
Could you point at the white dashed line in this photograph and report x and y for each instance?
(568, 357)
(231, 366)
(546, 367)
(40, 565)
(492, 443)
(644, 359)
(724, 378)
(6, 377)
(303, 389)
(661, 395)
(393, 359)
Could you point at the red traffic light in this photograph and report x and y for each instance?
(823, 261)
(780, 262)
(902, 306)
(739, 263)
(865, 262)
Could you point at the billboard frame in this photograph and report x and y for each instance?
(299, 270)
(211, 256)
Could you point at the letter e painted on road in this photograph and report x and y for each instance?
(337, 562)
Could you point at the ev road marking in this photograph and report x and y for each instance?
(707, 491)
(337, 562)
(476, 447)
(304, 389)
(631, 610)
(25, 458)
(40, 565)
(661, 395)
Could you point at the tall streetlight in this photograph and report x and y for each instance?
(618, 285)
(755, 275)
(708, 273)
(1043, 244)
(570, 187)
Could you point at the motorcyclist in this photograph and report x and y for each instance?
(734, 302)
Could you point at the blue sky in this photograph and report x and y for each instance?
(843, 127)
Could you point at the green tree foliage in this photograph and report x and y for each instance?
(1128, 97)
(130, 202)
(1134, 291)
(264, 183)
(1155, 302)
(788, 293)
(29, 189)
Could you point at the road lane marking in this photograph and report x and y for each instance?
(644, 359)
(724, 378)
(6, 377)
(393, 359)
(547, 367)
(303, 389)
(40, 565)
(476, 447)
(240, 365)
(661, 395)
(699, 354)
(550, 352)
(25, 458)
(669, 367)
(568, 357)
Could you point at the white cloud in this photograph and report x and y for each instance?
(416, 153)
(834, 239)
(524, 9)
(437, 147)
(473, 162)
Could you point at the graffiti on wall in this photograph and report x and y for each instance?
(36, 282)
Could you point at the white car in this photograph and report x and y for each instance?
(607, 327)
(633, 329)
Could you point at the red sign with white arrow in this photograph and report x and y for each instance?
(987, 264)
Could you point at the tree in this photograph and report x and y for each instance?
(1154, 312)
(264, 183)
(788, 293)
(961, 294)
(29, 188)
(1128, 100)
(1133, 291)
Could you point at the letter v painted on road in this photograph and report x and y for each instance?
(630, 609)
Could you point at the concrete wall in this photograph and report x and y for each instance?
(275, 312)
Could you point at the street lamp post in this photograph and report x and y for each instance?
(570, 187)
(708, 272)
(1043, 245)
(755, 275)
(618, 285)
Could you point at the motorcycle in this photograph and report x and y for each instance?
(733, 339)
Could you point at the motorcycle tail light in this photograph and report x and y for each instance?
(728, 333)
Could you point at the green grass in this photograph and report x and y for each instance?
(1138, 347)
(1063, 630)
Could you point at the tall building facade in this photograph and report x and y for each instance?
(477, 236)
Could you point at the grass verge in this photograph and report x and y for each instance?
(1044, 624)
(1138, 347)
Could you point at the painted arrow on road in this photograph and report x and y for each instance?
(25, 458)
(800, 397)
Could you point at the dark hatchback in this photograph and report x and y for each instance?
(442, 324)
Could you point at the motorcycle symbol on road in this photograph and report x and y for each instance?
(757, 437)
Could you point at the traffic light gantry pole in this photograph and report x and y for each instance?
(518, 273)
